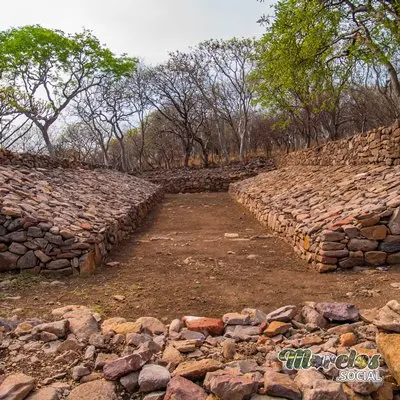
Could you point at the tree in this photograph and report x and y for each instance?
(298, 73)
(177, 99)
(140, 87)
(50, 68)
(230, 91)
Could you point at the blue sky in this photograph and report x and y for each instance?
(148, 29)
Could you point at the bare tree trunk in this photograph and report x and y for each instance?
(124, 166)
(46, 138)
(221, 137)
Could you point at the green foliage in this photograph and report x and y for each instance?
(47, 69)
(34, 49)
(293, 69)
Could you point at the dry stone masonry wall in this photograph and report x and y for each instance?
(62, 221)
(338, 215)
(380, 146)
(207, 179)
(40, 161)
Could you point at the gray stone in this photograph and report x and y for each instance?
(28, 260)
(58, 264)
(394, 223)
(58, 328)
(130, 382)
(35, 232)
(283, 314)
(17, 248)
(153, 377)
(8, 261)
(338, 311)
(391, 244)
(362, 245)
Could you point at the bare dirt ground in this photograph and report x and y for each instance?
(181, 263)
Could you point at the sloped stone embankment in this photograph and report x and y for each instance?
(215, 179)
(335, 216)
(60, 221)
(80, 356)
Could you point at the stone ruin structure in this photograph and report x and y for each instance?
(59, 218)
(337, 204)
(215, 179)
(78, 355)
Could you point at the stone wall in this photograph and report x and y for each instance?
(337, 204)
(335, 217)
(380, 146)
(207, 179)
(41, 161)
(62, 221)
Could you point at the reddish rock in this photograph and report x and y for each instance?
(377, 232)
(280, 385)
(213, 326)
(338, 311)
(229, 386)
(182, 389)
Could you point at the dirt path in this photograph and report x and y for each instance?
(182, 263)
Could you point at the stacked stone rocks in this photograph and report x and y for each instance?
(41, 161)
(62, 221)
(334, 216)
(207, 179)
(380, 146)
(79, 356)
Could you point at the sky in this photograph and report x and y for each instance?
(147, 29)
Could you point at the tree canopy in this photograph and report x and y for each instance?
(45, 69)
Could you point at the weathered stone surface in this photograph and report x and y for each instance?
(196, 369)
(16, 387)
(391, 244)
(130, 382)
(66, 217)
(124, 365)
(98, 389)
(182, 389)
(323, 389)
(236, 319)
(338, 311)
(276, 328)
(389, 346)
(58, 328)
(283, 314)
(153, 377)
(8, 261)
(377, 232)
(151, 325)
(211, 325)
(47, 393)
(280, 385)
(230, 387)
(82, 323)
(394, 223)
(362, 245)
(388, 317)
